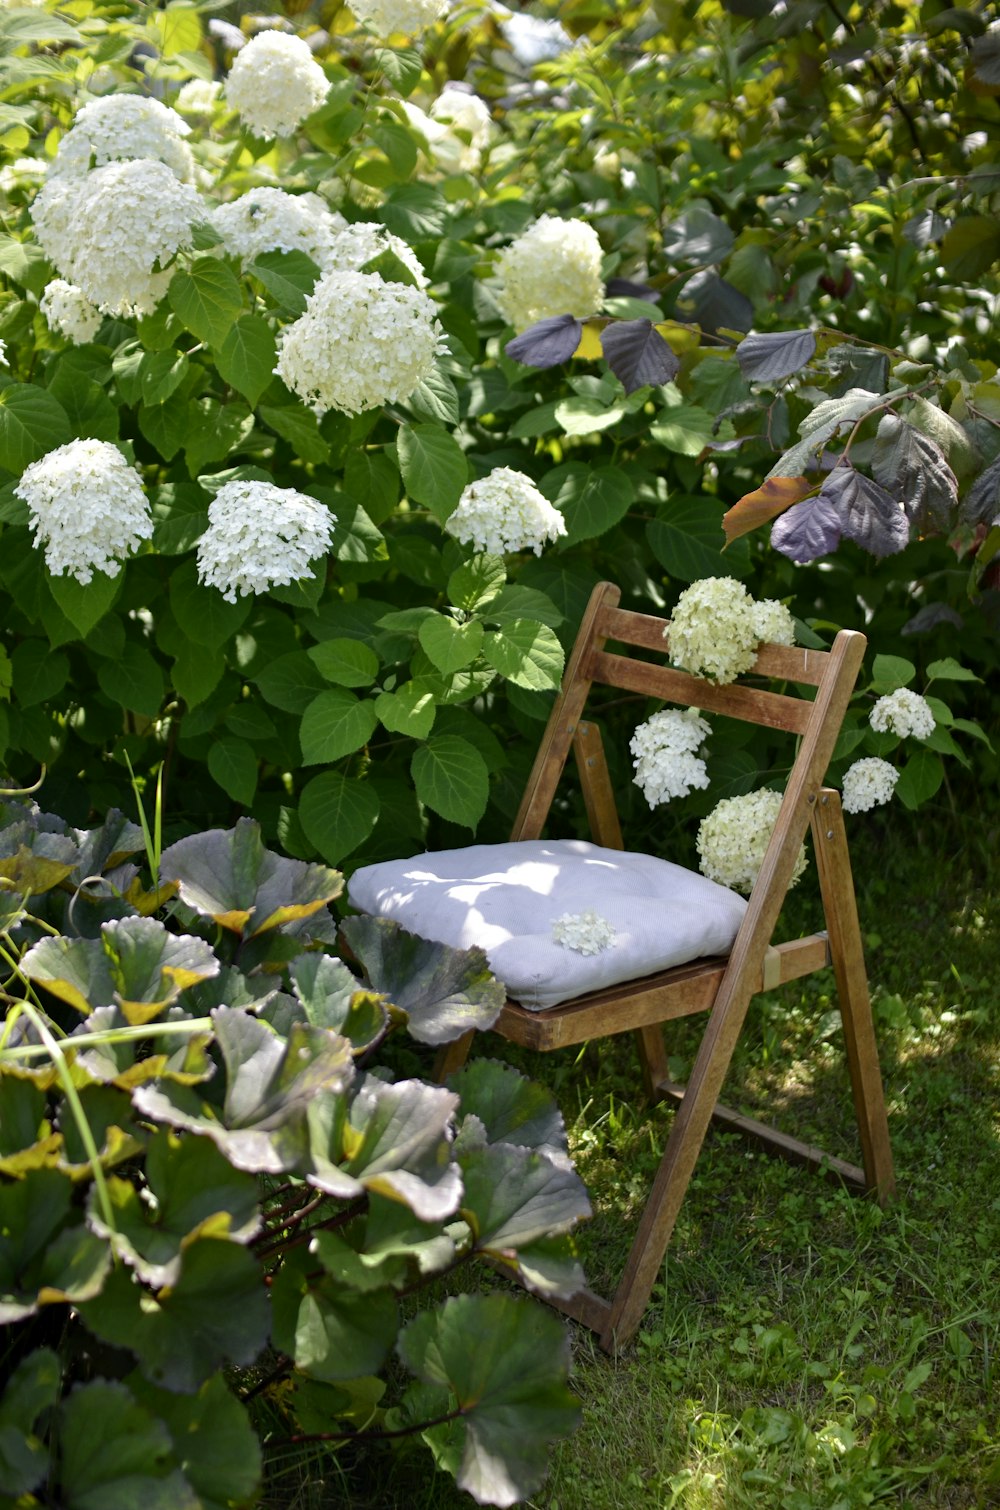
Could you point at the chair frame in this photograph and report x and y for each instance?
(723, 987)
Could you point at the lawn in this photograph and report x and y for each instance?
(804, 1350)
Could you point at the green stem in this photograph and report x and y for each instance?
(111, 1035)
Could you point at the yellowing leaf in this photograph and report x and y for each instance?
(681, 338)
(589, 349)
(773, 496)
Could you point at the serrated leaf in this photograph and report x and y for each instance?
(510, 1107)
(135, 965)
(914, 470)
(206, 298)
(868, 515)
(638, 355)
(33, 1386)
(697, 236)
(203, 613)
(300, 427)
(971, 246)
(714, 303)
(411, 709)
(451, 777)
(435, 399)
(683, 429)
(592, 500)
(823, 422)
(547, 343)
(766, 358)
(335, 724)
(86, 605)
(246, 358)
(505, 1362)
(330, 1331)
(476, 582)
(516, 1195)
(32, 423)
(115, 1454)
(950, 670)
(448, 644)
(807, 530)
(890, 672)
(337, 813)
(233, 764)
(213, 1439)
(527, 653)
(954, 441)
(688, 540)
(288, 277)
(433, 467)
(443, 991)
(981, 505)
(774, 495)
(290, 682)
(134, 680)
(587, 416)
(330, 997)
(919, 778)
(345, 662)
(43, 1259)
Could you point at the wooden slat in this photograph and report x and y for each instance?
(777, 1142)
(595, 783)
(667, 995)
(772, 709)
(785, 662)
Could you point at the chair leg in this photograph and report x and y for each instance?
(847, 956)
(451, 1056)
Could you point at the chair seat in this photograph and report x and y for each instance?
(647, 914)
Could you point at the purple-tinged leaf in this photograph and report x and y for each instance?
(778, 354)
(547, 343)
(868, 515)
(714, 303)
(930, 616)
(981, 504)
(913, 469)
(807, 530)
(638, 355)
(624, 288)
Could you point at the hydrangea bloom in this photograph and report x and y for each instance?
(361, 343)
(904, 713)
(533, 40)
(261, 536)
(120, 127)
(553, 268)
(868, 783)
(584, 932)
(269, 220)
(86, 506)
(68, 311)
(666, 754)
(199, 96)
(229, 35)
(354, 245)
(457, 110)
(504, 512)
(712, 630)
(274, 83)
(108, 231)
(772, 622)
(733, 840)
(384, 17)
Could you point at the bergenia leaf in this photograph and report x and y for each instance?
(512, 1108)
(330, 997)
(135, 964)
(44, 1259)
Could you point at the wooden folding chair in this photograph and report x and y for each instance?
(722, 987)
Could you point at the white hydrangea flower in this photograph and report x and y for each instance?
(269, 220)
(904, 713)
(733, 840)
(261, 536)
(553, 268)
(230, 36)
(666, 749)
(504, 512)
(3, 354)
(120, 127)
(772, 622)
(712, 630)
(354, 245)
(584, 932)
(199, 96)
(274, 83)
(468, 130)
(868, 783)
(22, 173)
(68, 311)
(107, 232)
(385, 17)
(86, 506)
(533, 40)
(361, 343)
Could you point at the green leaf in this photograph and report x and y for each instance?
(337, 813)
(331, 1332)
(336, 723)
(587, 416)
(592, 500)
(135, 965)
(298, 425)
(688, 541)
(890, 672)
(116, 1455)
(207, 298)
(25, 263)
(32, 423)
(919, 778)
(435, 399)
(451, 777)
(823, 422)
(134, 681)
(443, 991)
(38, 674)
(230, 877)
(416, 212)
(476, 583)
(526, 653)
(511, 1108)
(329, 995)
(44, 1260)
(517, 602)
(246, 358)
(85, 606)
(948, 434)
(203, 613)
(411, 709)
(517, 1195)
(213, 1439)
(950, 670)
(505, 1362)
(196, 673)
(683, 429)
(88, 409)
(433, 467)
(233, 764)
(290, 682)
(33, 1387)
(971, 247)
(214, 431)
(448, 644)
(161, 374)
(346, 663)
(288, 278)
(165, 427)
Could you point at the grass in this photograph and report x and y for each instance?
(804, 1350)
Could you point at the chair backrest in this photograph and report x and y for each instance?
(815, 721)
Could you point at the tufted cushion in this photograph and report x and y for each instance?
(505, 898)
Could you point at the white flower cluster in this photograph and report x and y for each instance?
(904, 713)
(354, 245)
(23, 173)
(458, 130)
(553, 268)
(261, 536)
(121, 127)
(868, 783)
(733, 840)
(229, 35)
(361, 343)
(113, 232)
(198, 96)
(504, 512)
(274, 83)
(386, 17)
(666, 748)
(269, 220)
(717, 626)
(584, 932)
(68, 311)
(86, 506)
